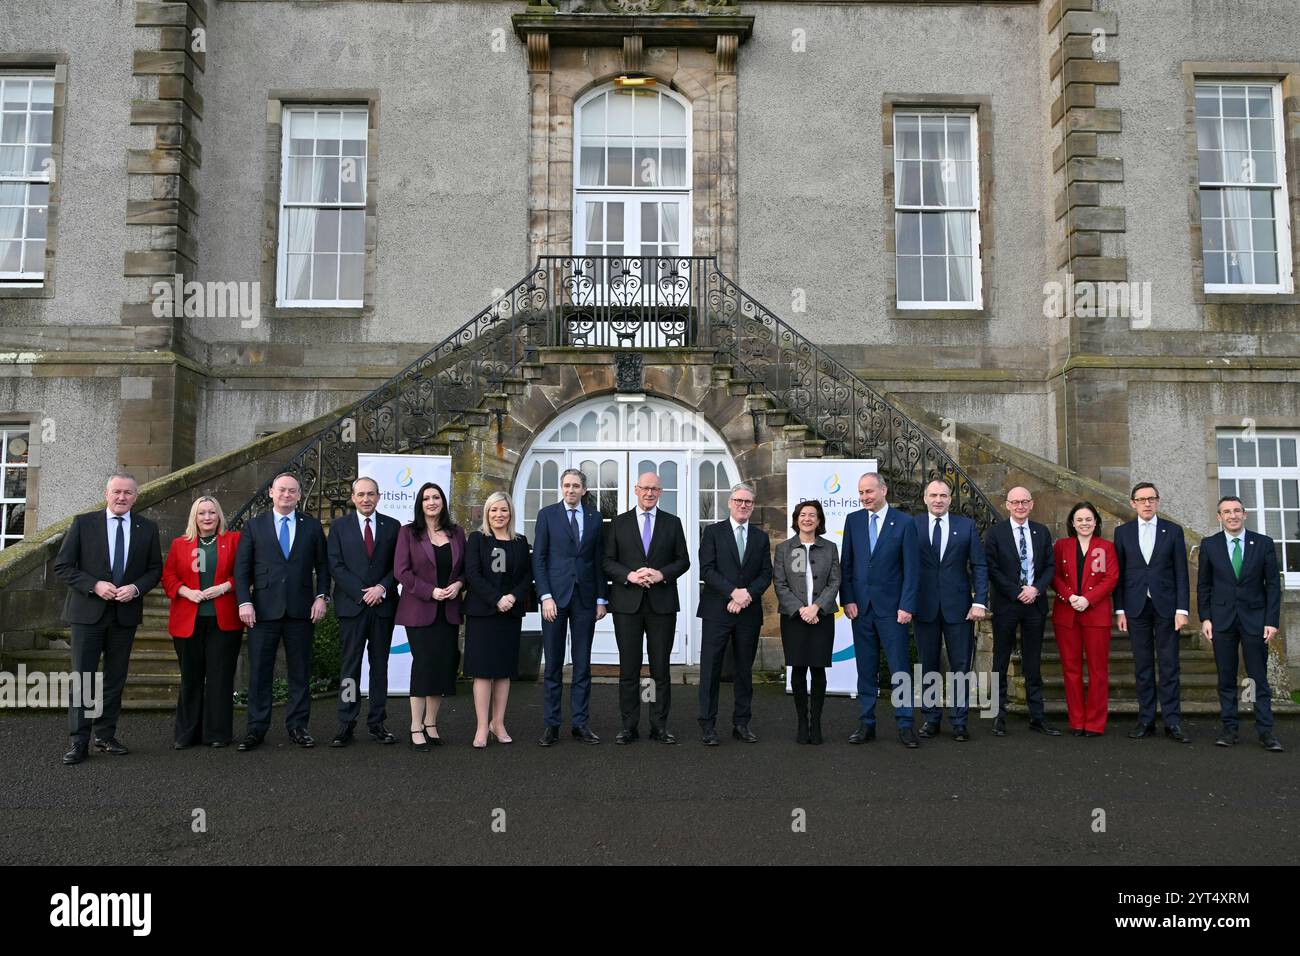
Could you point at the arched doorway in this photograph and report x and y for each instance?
(613, 440)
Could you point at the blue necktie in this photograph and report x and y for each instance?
(119, 552)
(871, 539)
(1024, 558)
(936, 539)
(573, 524)
(284, 536)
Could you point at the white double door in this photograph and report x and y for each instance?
(611, 477)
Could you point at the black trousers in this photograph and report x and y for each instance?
(365, 632)
(1155, 644)
(205, 708)
(1030, 622)
(263, 640)
(1226, 644)
(89, 641)
(658, 631)
(959, 637)
(713, 648)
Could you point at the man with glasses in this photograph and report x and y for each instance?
(736, 568)
(645, 554)
(1020, 562)
(1239, 602)
(1151, 604)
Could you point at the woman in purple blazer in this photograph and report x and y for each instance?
(430, 565)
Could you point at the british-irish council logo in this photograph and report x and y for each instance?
(832, 483)
(404, 478)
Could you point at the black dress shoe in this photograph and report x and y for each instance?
(1177, 733)
(420, 741)
(381, 734)
(303, 739)
(250, 742)
(585, 735)
(929, 729)
(1092, 733)
(79, 752)
(710, 737)
(1226, 739)
(662, 735)
(1269, 742)
(218, 744)
(550, 736)
(1076, 731)
(343, 737)
(864, 734)
(960, 734)
(1043, 727)
(999, 726)
(1142, 730)
(907, 737)
(742, 732)
(111, 745)
(626, 736)
(179, 745)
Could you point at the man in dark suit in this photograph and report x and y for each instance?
(568, 558)
(1151, 602)
(1019, 555)
(279, 555)
(109, 560)
(736, 568)
(361, 548)
(645, 554)
(880, 566)
(1239, 602)
(952, 560)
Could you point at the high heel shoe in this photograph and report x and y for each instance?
(483, 745)
(501, 739)
(435, 741)
(422, 745)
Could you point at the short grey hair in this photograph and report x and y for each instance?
(364, 478)
(742, 486)
(124, 475)
(880, 479)
(573, 471)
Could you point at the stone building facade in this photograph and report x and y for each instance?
(169, 155)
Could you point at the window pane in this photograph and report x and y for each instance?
(1212, 235)
(1210, 166)
(1207, 101)
(1246, 491)
(1208, 134)
(11, 256)
(934, 278)
(933, 192)
(353, 231)
(909, 183)
(960, 180)
(620, 113)
(909, 278)
(933, 239)
(1246, 453)
(11, 222)
(647, 165)
(1261, 101)
(672, 117)
(324, 277)
(593, 115)
(1287, 447)
(907, 228)
(328, 171)
(351, 270)
(1262, 235)
(1272, 493)
(302, 185)
(907, 137)
(354, 134)
(1234, 101)
(13, 128)
(36, 223)
(932, 137)
(327, 231)
(1291, 494)
(15, 483)
(302, 229)
(620, 165)
(672, 167)
(1293, 557)
(1214, 270)
(16, 93)
(298, 281)
(646, 112)
(1211, 204)
(1225, 452)
(592, 172)
(1241, 270)
(959, 139)
(34, 257)
(960, 279)
(1273, 524)
(12, 161)
(352, 173)
(1266, 269)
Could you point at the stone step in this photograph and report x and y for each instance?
(144, 661)
(1202, 687)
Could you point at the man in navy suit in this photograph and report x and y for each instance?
(1019, 555)
(1239, 602)
(736, 568)
(880, 566)
(568, 553)
(109, 560)
(279, 554)
(1151, 602)
(952, 559)
(361, 547)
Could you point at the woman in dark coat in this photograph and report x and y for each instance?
(430, 564)
(806, 575)
(498, 568)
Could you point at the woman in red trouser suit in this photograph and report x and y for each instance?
(1087, 570)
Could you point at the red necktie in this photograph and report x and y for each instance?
(370, 541)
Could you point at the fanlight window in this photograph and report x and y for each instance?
(617, 423)
(633, 139)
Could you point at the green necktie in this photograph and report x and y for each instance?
(1236, 557)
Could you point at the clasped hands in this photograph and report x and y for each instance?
(110, 592)
(646, 577)
(740, 599)
(449, 592)
(207, 594)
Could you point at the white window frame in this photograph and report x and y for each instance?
(29, 279)
(282, 299)
(1258, 474)
(7, 431)
(1281, 206)
(977, 272)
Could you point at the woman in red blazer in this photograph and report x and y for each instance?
(430, 565)
(204, 625)
(1087, 570)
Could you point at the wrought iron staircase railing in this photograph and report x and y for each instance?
(625, 302)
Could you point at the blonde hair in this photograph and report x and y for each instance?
(192, 526)
(487, 506)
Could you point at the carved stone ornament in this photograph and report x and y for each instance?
(629, 372)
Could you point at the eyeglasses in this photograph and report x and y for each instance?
(648, 488)
(1020, 502)
(744, 502)
(1145, 501)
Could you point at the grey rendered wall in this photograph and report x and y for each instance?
(811, 191)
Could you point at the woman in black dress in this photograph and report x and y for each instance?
(806, 574)
(498, 568)
(430, 564)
